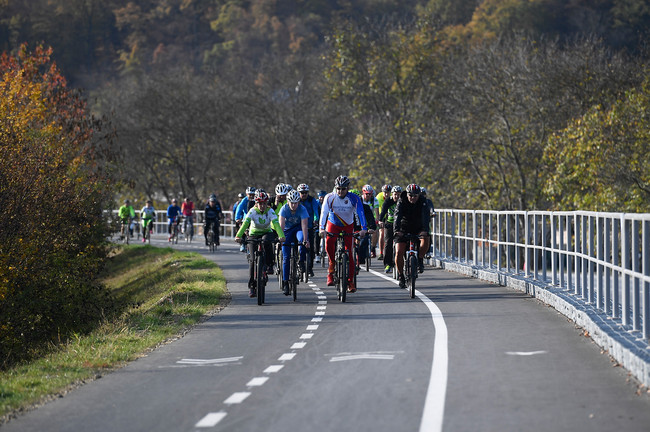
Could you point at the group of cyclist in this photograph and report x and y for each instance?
(186, 212)
(293, 215)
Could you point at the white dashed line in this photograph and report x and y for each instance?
(237, 398)
(298, 345)
(256, 382)
(273, 369)
(211, 420)
(287, 356)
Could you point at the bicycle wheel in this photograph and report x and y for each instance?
(259, 279)
(413, 270)
(293, 283)
(368, 257)
(343, 280)
(323, 253)
(278, 269)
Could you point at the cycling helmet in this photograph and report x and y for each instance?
(413, 189)
(293, 196)
(302, 188)
(368, 189)
(321, 193)
(213, 197)
(250, 190)
(397, 189)
(386, 188)
(423, 191)
(282, 189)
(289, 187)
(342, 182)
(261, 195)
(241, 195)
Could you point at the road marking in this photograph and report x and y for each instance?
(434, 403)
(273, 369)
(306, 336)
(362, 356)
(287, 356)
(319, 319)
(312, 327)
(237, 398)
(298, 345)
(323, 307)
(525, 353)
(256, 382)
(211, 420)
(204, 362)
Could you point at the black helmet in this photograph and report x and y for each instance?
(342, 182)
(413, 189)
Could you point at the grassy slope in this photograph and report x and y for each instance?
(161, 292)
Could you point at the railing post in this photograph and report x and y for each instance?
(600, 303)
(636, 293)
(646, 285)
(607, 237)
(553, 250)
(626, 264)
(578, 250)
(616, 232)
(453, 235)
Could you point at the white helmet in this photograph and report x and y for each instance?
(282, 189)
(293, 196)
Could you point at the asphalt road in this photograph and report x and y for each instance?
(462, 356)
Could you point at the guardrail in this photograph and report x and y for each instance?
(598, 263)
(227, 225)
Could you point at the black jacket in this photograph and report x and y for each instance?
(412, 218)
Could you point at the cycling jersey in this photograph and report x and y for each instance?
(340, 211)
(311, 204)
(293, 220)
(412, 218)
(173, 211)
(126, 212)
(388, 210)
(212, 213)
(243, 208)
(187, 208)
(147, 213)
(260, 223)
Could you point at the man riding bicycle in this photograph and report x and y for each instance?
(148, 215)
(411, 218)
(263, 224)
(293, 218)
(213, 215)
(337, 216)
(187, 209)
(126, 213)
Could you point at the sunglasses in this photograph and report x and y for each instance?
(341, 188)
(413, 195)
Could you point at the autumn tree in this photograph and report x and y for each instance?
(599, 161)
(54, 186)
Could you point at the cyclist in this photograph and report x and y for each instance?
(432, 212)
(264, 224)
(313, 208)
(213, 215)
(294, 221)
(173, 211)
(148, 215)
(372, 226)
(411, 217)
(381, 197)
(317, 239)
(243, 208)
(386, 219)
(187, 209)
(281, 191)
(370, 199)
(126, 213)
(337, 216)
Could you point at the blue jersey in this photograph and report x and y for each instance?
(293, 219)
(173, 211)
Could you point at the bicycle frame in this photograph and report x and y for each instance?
(411, 263)
(341, 264)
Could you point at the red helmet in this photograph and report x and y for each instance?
(261, 195)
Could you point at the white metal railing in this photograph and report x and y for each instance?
(227, 225)
(603, 259)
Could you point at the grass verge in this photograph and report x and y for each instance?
(161, 293)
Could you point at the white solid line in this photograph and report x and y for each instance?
(273, 369)
(287, 356)
(256, 382)
(298, 345)
(525, 353)
(434, 403)
(211, 420)
(237, 398)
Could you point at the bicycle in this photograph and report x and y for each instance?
(323, 253)
(146, 234)
(212, 244)
(411, 262)
(188, 224)
(341, 265)
(259, 267)
(125, 232)
(176, 230)
(296, 273)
